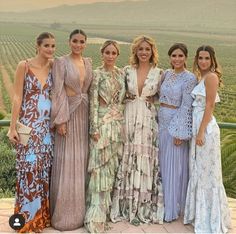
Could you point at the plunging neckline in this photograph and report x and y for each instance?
(78, 72)
(144, 83)
(34, 76)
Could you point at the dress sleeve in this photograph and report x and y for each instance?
(162, 77)
(60, 106)
(181, 125)
(94, 104)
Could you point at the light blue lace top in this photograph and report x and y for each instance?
(176, 91)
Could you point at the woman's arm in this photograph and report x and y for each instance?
(17, 100)
(60, 107)
(180, 126)
(211, 84)
(94, 105)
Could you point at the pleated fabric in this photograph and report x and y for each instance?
(174, 167)
(69, 168)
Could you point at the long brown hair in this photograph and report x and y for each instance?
(180, 46)
(78, 31)
(215, 67)
(41, 37)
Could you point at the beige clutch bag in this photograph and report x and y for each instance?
(23, 132)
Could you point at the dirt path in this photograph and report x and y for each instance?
(2, 107)
(7, 81)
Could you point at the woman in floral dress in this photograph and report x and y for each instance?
(32, 104)
(138, 190)
(106, 130)
(206, 204)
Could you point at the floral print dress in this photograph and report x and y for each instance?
(105, 154)
(33, 161)
(206, 203)
(137, 194)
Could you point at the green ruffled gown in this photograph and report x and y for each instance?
(107, 120)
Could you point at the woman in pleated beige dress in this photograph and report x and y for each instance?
(72, 76)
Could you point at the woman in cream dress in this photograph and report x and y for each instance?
(206, 204)
(137, 194)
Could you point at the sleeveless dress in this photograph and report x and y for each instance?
(33, 161)
(206, 203)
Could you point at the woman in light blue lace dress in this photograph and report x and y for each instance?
(175, 129)
(206, 204)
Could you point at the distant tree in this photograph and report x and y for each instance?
(55, 25)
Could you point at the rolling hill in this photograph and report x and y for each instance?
(212, 15)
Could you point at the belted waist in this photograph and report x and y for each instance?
(132, 97)
(168, 106)
(78, 97)
(75, 101)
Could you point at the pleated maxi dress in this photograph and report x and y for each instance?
(69, 169)
(175, 123)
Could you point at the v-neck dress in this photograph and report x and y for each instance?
(105, 154)
(33, 161)
(69, 167)
(137, 194)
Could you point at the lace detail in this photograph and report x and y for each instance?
(181, 125)
(176, 90)
(206, 202)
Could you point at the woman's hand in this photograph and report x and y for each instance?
(62, 129)
(96, 137)
(200, 139)
(177, 141)
(13, 136)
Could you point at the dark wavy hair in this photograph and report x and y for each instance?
(180, 46)
(78, 31)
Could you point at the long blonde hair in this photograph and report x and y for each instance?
(134, 47)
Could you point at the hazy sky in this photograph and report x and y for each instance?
(24, 5)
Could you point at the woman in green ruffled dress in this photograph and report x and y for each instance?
(106, 131)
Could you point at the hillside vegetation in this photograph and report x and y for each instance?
(191, 15)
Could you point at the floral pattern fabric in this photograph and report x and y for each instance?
(107, 120)
(138, 194)
(33, 161)
(206, 204)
